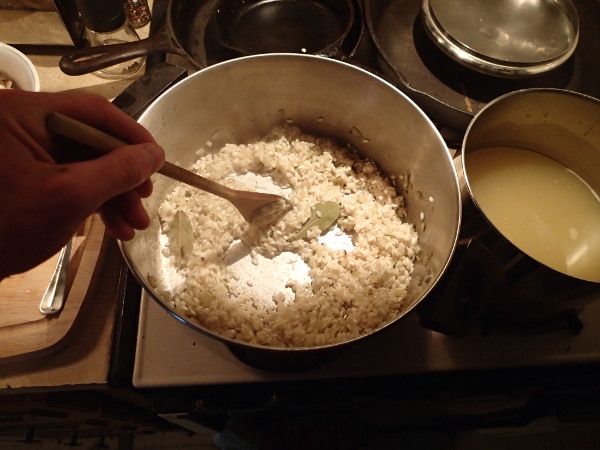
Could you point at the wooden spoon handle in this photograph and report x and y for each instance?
(103, 142)
(185, 176)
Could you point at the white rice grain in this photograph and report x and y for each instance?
(325, 293)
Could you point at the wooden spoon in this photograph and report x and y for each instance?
(248, 203)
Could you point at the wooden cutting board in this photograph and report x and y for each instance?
(24, 330)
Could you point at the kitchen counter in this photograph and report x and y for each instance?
(82, 358)
(44, 28)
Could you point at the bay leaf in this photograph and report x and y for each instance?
(181, 239)
(322, 215)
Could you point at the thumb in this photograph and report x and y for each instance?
(120, 170)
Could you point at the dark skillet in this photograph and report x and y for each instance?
(311, 26)
(452, 94)
(316, 26)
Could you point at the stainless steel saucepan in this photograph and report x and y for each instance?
(238, 100)
(562, 126)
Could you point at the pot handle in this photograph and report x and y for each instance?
(91, 59)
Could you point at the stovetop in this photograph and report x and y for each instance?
(169, 353)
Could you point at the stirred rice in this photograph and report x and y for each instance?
(251, 283)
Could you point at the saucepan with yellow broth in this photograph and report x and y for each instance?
(530, 186)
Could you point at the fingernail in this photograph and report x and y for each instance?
(155, 154)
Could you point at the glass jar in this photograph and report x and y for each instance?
(123, 34)
(106, 24)
(137, 12)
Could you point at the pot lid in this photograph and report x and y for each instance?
(512, 34)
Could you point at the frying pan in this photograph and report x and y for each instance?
(284, 25)
(452, 94)
(241, 28)
(190, 24)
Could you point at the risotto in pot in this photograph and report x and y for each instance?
(296, 279)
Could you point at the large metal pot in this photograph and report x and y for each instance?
(235, 101)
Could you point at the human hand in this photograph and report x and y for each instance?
(43, 199)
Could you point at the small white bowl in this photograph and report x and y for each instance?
(15, 66)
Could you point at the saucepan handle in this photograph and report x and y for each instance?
(91, 59)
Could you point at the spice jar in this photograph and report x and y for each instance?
(106, 24)
(137, 11)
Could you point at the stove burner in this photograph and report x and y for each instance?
(215, 51)
(465, 312)
(447, 91)
(480, 88)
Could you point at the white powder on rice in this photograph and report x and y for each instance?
(250, 283)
